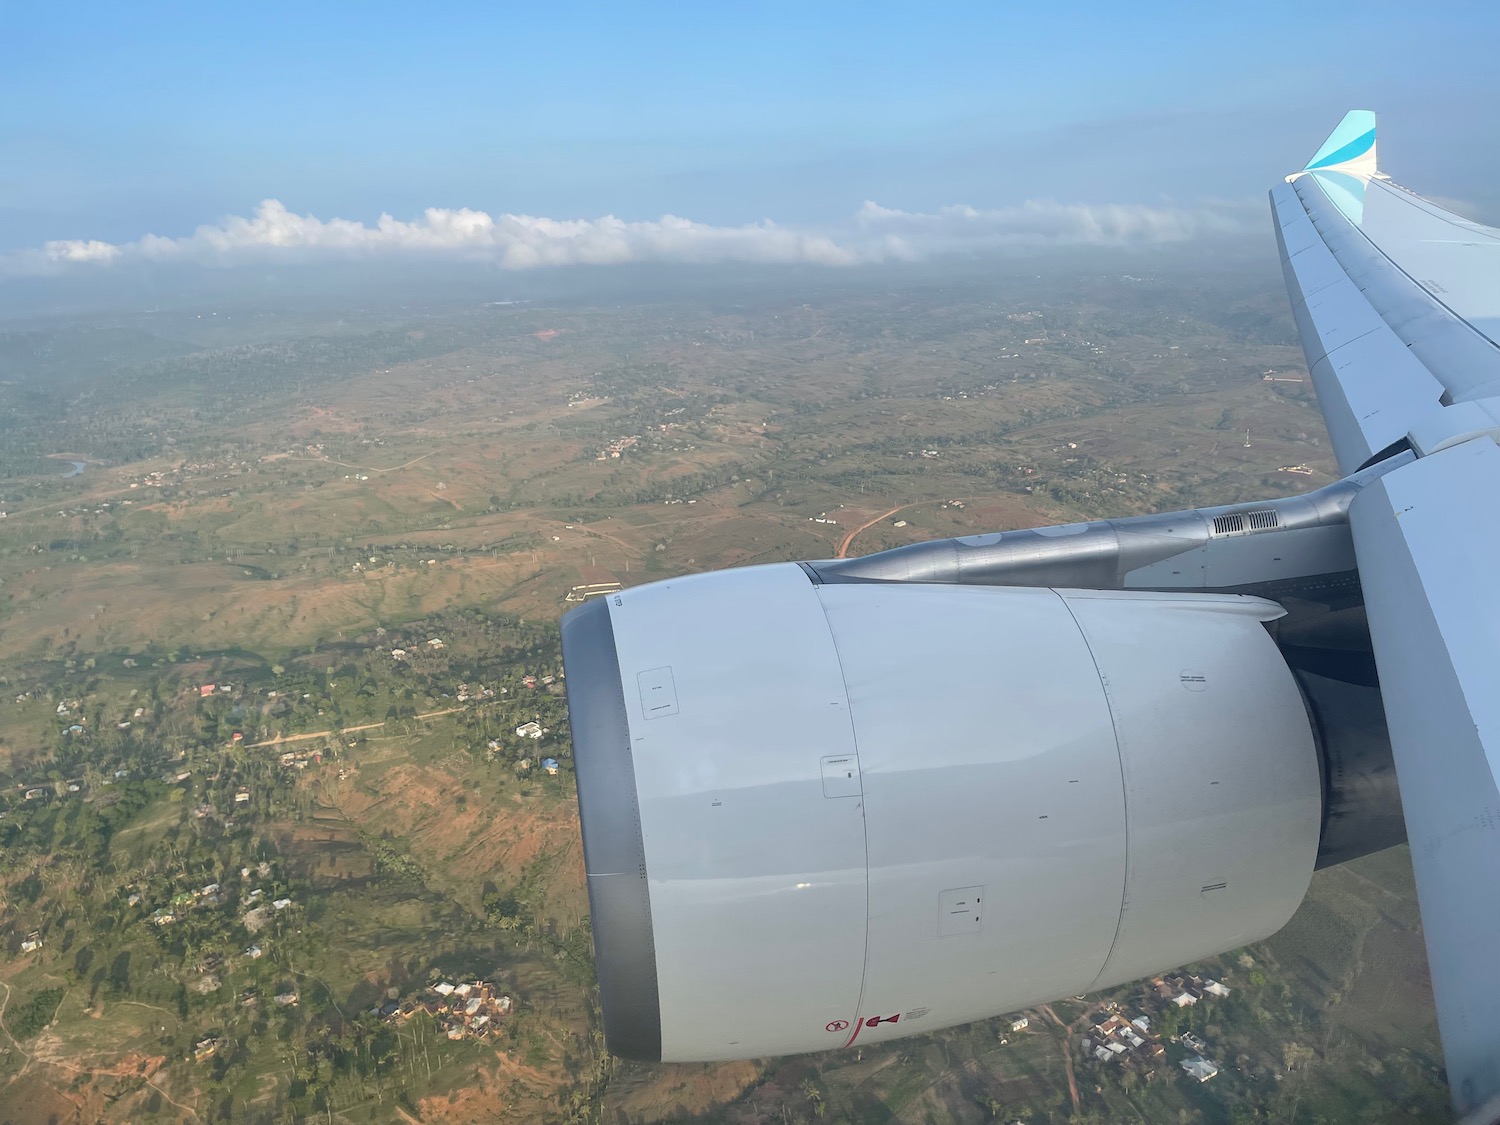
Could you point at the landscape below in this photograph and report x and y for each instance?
(288, 827)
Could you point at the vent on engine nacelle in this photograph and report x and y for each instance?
(1264, 519)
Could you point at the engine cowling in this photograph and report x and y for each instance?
(816, 815)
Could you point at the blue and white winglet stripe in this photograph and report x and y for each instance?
(1345, 164)
(1349, 148)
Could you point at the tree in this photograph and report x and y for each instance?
(1169, 1021)
(1294, 1055)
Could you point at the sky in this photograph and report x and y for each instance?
(542, 135)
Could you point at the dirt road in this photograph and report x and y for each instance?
(281, 739)
(1067, 1055)
(848, 539)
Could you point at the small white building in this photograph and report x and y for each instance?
(532, 729)
(1020, 1023)
(1214, 988)
(1184, 999)
(1199, 1068)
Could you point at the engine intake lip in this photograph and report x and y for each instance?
(613, 848)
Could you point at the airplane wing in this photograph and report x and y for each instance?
(1397, 302)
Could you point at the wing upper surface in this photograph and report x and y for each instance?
(1426, 552)
(1397, 302)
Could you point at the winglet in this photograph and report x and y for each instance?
(1350, 148)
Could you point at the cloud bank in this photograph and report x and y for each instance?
(520, 242)
(908, 234)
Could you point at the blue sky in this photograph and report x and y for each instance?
(120, 120)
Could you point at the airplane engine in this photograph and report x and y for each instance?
(816, 815)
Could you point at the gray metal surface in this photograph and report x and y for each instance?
(1398, 312)
(1306, 558)
(869, 809)
(1361, 795)
(1451, 261)
(990, 762)
(1271, 548)
(1220, 774)
(1427, 546)
(614, 852)
(1427, 274)
(1370, 386)
(756, 859)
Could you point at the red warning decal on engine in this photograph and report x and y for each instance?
(860, 1024)
(836, 1025)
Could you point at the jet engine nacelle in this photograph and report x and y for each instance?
(816, 815)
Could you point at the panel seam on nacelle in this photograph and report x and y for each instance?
(864, 820)
(1114, 726)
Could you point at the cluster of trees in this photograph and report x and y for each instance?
(28, 1019)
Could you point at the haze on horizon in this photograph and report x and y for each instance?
(138, 145)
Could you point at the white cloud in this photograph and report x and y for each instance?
(519, 242)
(1037, 224)
(77, 250)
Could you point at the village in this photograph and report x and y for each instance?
(467, 1010)
(1136, 1041)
